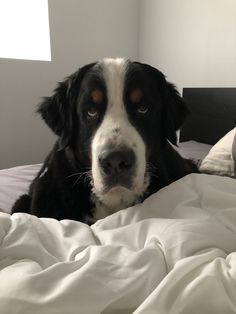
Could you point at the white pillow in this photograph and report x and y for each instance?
(220, 159)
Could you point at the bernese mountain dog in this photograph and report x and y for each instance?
(115, 120)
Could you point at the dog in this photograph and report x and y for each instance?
(115, 121)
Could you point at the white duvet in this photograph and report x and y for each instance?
(175, 253)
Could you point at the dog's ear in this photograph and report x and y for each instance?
(175, 111)
(174, 108)
(58, 111)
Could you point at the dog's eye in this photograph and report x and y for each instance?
(92, 113)
(142, 109)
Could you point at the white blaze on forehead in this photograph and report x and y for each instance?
(116, 130)
(115, 126)
(114, 73)
(116, 117)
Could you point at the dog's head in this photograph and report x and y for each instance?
(115, 115)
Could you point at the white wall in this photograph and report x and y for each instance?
(82, 31)
(192, 41)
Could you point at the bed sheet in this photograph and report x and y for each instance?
(15, 182)
(193, 150)
(174, 253)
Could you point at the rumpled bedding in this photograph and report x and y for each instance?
(174, 253)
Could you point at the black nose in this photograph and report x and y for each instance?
(117, 162)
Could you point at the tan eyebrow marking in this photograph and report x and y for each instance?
(136, 95)
(97, 96)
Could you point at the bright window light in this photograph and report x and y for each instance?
(24, 30)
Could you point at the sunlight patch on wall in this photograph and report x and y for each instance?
(24, 30)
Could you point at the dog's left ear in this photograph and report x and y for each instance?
(174, 108)
(58, 111)
(175, 111)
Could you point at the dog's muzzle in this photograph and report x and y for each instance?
(117, 167)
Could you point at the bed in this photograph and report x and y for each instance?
(212, 116)
(167, 255)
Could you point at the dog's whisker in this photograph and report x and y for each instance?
(150, 166)
(151, 170)
(86, 179)
(77, 173)
(154, 175)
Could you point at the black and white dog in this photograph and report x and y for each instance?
(114, 120)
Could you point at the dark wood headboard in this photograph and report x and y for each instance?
(212, 114)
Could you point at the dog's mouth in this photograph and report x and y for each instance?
(112, 184)
(119, 186)
(117, 183)
(115, 187)
(118, 196)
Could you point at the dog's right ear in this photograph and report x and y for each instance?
(58, 111)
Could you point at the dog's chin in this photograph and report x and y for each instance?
(119, 196)
(130, 190)
(116, 197)
(116, 189)
(111, 191)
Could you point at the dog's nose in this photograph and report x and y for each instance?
(117, 162)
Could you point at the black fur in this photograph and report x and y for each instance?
(56, 191)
